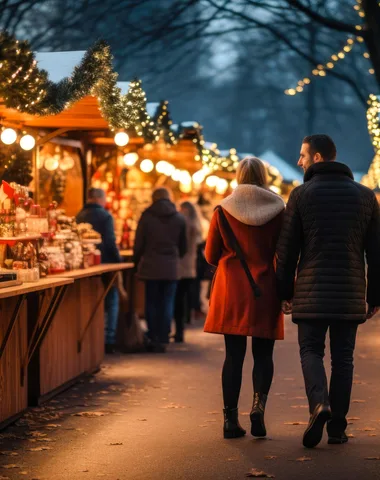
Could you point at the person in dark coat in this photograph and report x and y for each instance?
(95, 214)
(160, 243)
(331, 223)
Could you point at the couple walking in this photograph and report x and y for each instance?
(307, 260)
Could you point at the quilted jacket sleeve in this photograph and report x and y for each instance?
(288, 249)
(373, 257)
(213, 250)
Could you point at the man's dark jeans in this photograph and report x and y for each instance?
(311, 337)
(159, 308)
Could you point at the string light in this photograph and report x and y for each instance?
(321, 70)
(372, 180)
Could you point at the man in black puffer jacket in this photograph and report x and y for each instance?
(331, 224)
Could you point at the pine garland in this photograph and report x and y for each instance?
(25, 87)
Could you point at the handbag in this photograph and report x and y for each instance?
(238, 251)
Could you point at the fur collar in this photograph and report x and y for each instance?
(253, 205)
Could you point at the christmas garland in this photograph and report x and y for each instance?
(25, 87)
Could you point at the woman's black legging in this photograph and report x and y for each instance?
(262, 375)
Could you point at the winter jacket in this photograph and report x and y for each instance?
(255, 216)
(160, 242)
(188, 264)
(102, 222)
(331, 222)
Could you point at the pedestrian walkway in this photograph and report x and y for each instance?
(150, 417)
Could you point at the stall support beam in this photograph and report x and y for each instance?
(98, 303)
(39, 333)
(12, 323)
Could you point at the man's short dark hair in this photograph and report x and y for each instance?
(96, 194)
(322, 144)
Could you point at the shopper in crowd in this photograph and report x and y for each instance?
(204, 270)
(244, 302)
(331, 222)
(160, 243)
(95, 213)
(187, 270)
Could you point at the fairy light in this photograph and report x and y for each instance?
(322, 69)
(372, 180)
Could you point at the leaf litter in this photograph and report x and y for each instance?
(255, 473)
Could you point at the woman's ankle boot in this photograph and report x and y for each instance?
(257, 415)
(232, 427)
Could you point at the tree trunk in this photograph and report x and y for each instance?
(372, 37)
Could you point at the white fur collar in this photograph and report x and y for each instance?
(253, 205)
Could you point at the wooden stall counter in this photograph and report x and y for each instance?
(74, 344)
(22, 330)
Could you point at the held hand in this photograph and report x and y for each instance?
(287, 307)
(371, 311)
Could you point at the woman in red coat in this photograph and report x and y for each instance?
(255, 215)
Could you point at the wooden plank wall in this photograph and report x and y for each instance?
(60, 361)
(93, 343)
(13, 397)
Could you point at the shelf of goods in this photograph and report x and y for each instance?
(51, 333)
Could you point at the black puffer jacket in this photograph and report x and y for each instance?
(160, 242)
(331, 222)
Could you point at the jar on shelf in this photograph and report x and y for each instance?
(57, 262)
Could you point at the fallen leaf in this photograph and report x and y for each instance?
(9, 454)
(300, 406)
(88, 414)
(270, 457)
(142, 419)
(117, 443)
(358, 401)
(296, 423)
(350, 435)
(303, 459)
(372, 458)
(10, 465)
(258, 474)
(352, 418)
(38, 449)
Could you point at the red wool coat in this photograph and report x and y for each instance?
(233, 307)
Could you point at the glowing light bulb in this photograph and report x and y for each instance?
(8, 136)
(147, 165)
(121, 139)
(211, 181)
(27, 142)
(233, 184)
(221, 186)
(130, 159)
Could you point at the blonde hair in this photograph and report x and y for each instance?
(252, 171)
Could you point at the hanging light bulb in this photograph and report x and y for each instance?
(161, 166)
(8, 136)
(185, 177)
(176, 175)
(121, 139)
(211, 181)
(147, 165)
(130, 159)
(233, 184)
(199, 177)
(27, 142)
(221, 186)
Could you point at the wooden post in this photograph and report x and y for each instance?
(36, 152)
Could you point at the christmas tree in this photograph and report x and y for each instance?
(140, 120)
(164, 122)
